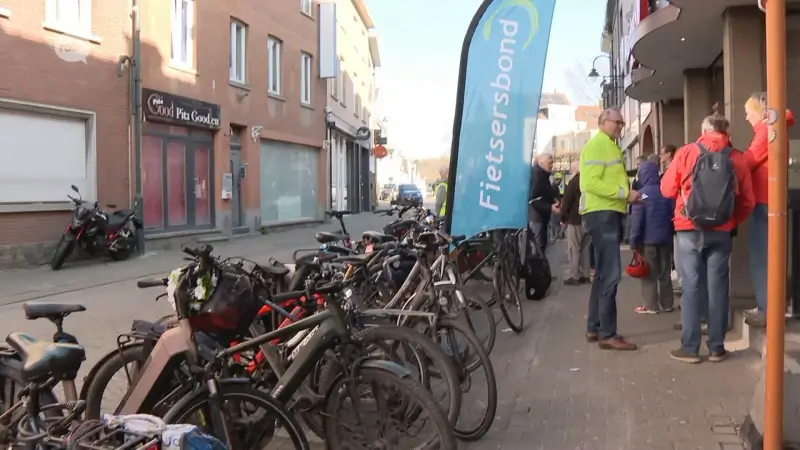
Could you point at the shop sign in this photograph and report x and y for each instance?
(163, 107)
(363, 134)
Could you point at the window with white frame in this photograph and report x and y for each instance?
(306, 74)
(275, 47)
(353, 89)
(238, 66)
(183, 32)
(71, 15)
(343, 90)
(340, 80)
(306, 6)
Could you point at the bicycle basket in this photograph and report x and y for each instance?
(231, 307)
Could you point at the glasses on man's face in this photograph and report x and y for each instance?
(620, 123)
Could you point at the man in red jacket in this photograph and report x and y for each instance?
(704, 253)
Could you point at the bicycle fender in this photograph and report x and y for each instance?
(382, 364)
(89, 378)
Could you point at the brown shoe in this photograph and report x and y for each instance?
(617, 343)
(594, 337)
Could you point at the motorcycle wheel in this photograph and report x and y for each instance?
(123, 254)
(64, 248)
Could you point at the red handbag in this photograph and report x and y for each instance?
(638, 267)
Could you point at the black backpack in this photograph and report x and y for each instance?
(713, 197)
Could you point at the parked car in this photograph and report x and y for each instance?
(407, 194)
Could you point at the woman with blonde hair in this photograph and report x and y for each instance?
(757, 154)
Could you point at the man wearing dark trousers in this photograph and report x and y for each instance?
(605, 194)
(542, 199)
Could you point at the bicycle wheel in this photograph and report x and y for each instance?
(429, 365)
(114, 374)
(361, 428)
(507, 289)
(480, 318)
(448, 332)
(249, 428)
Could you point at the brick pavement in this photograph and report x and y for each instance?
(558, 392)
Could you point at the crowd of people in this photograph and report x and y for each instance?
(680, 215)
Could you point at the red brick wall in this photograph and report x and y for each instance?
(32, 72)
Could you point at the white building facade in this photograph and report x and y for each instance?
(352, 95)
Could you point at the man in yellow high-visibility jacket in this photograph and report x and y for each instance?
(605, 194)
(440, 188)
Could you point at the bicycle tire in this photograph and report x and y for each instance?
(491, 382)
(410, 388)
(231, 391)
(502, 275)
(443, 366)
(478, 306)
(109, 366)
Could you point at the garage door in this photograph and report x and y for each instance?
(289, 182)
(42, 155)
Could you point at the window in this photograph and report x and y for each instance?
(183, 32)
(238, 64)
(71, 15)
(343, 90)
(353, 89)
(357, 106)
(275, 53)
(340, 80)
(306, 7)
(306, 74)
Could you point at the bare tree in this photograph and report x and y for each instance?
(585, 91)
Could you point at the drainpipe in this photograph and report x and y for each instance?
(136, 100)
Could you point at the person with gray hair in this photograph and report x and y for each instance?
(605, 195)
(710, 182)
(542, 199)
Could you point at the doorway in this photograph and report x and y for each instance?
(238, 174)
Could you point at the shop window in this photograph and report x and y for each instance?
(153, 182)
(176, 183)
(177, 178)
(289, 182)
(202, 184)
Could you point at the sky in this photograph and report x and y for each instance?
(420, 43)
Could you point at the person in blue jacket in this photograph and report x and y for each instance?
(651, 235)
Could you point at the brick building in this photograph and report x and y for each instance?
(63, 117)
(252, 154)
(233, 111)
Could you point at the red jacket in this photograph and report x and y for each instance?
(674, 186)
(757, 155)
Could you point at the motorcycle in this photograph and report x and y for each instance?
(96, 231)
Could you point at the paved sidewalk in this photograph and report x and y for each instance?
(557, 392)
(26, 284)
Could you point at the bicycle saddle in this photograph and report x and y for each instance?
(323, 237)
(41, 360)
(52, 311)
(376, 237)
